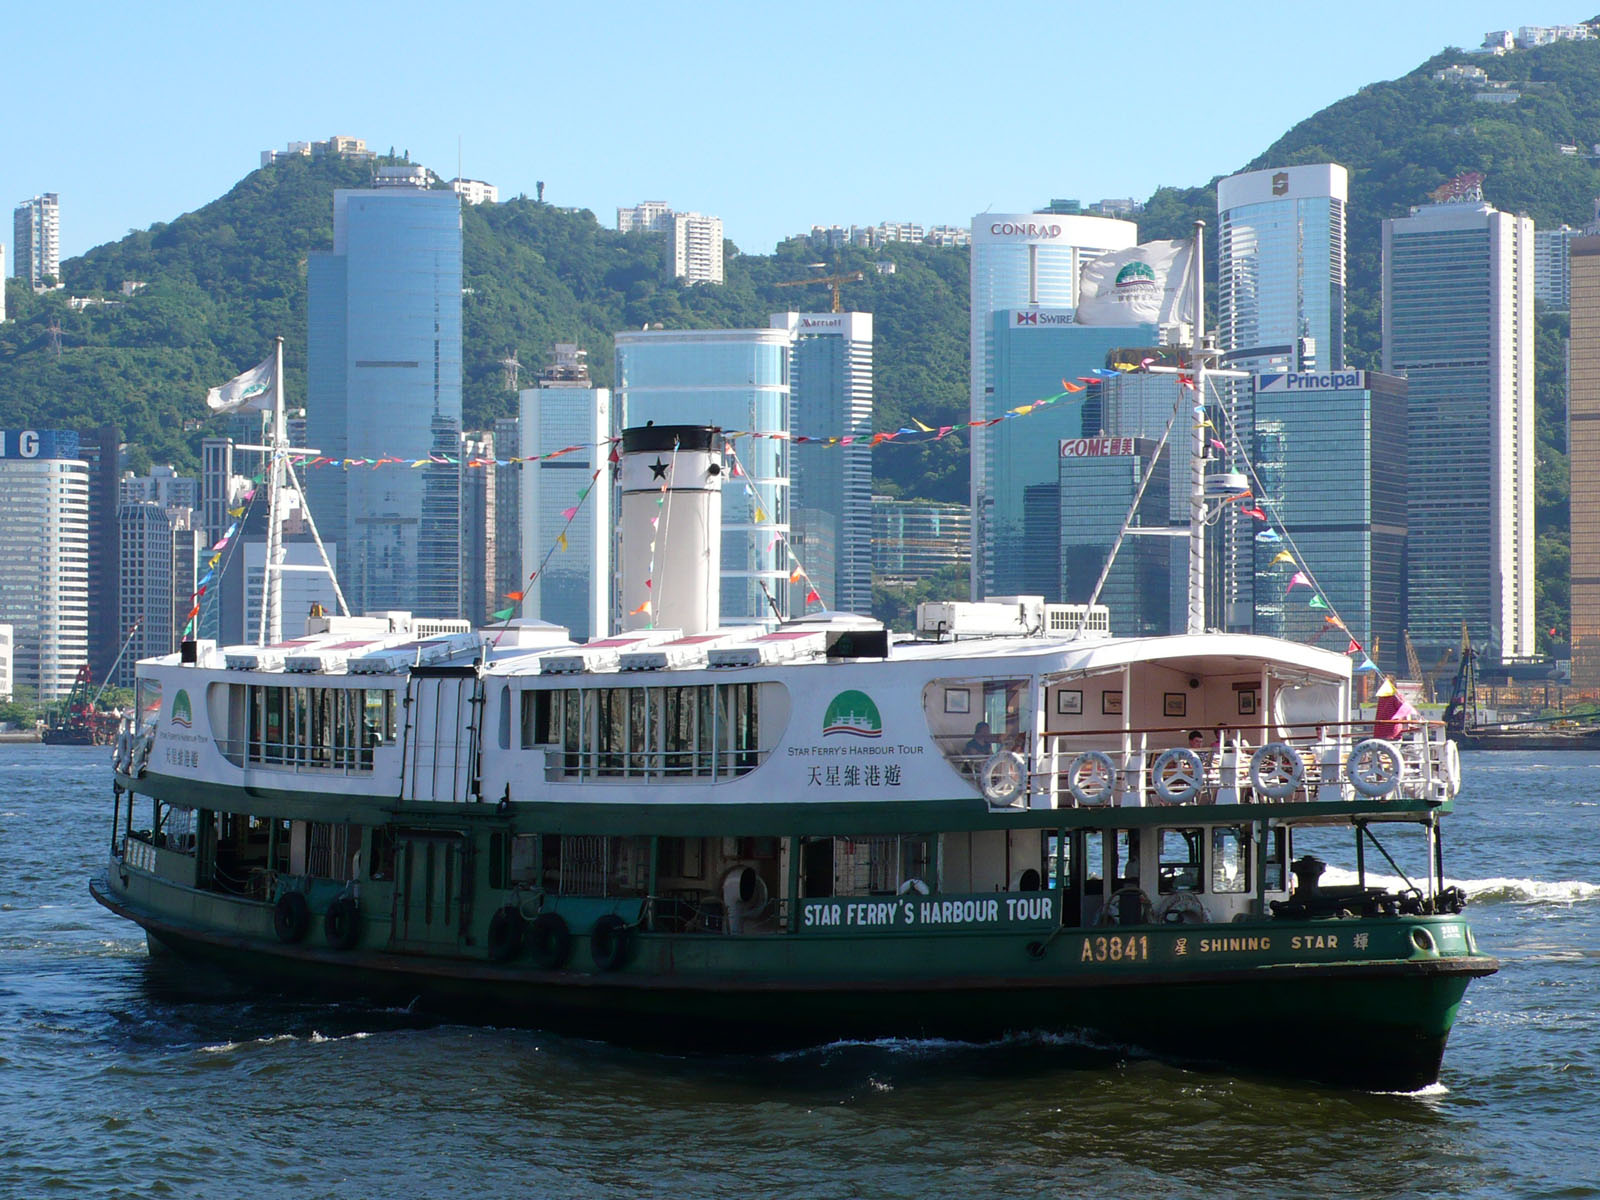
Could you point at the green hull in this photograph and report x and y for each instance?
(1379, 1021)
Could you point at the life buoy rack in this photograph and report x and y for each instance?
(506, 928)
(1450, 768)
(609, 942)
(1177, 775)
(1277, 770)
(1374, 767)
(291, 917)
(1004, 777)
(1182, 908)
(1091, 778)
(549, 941)
(342, 923)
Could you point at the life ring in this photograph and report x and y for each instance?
(505, 934)
(1004, 777)
(609, 942)
(1450, 768)
(1277, 770)
(549, 941)
(1091, 778)
(1374, 767)
(912, 885)
(1182, 908)
(342, 923)
(291, 917)
(1177, 774)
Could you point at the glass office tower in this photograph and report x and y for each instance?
(1330, 450)
(384, 381)
(1100, 477)
(1033, 351)
(830, 381)
(1020, 261)
(737, 379)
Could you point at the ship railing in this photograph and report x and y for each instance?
(695, 910)
(1337, 762)
(297, 757)
(717, 763)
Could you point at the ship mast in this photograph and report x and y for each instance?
(1196, 622)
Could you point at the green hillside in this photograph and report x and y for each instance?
(221, 281)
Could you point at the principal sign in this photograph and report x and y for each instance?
(1313, 381)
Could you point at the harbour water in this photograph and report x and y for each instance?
(130, 1076)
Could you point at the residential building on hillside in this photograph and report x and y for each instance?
(1458, 323)
(44, 557)
(1583, 454)
(1552, 270)
(336, 146)
(648, 216)
(475, 191)
(1021, 261)
(36, 241)
(383, 380)
(567, 556)
(697, 247)
(738, 380)
(830, 496)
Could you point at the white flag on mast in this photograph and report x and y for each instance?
(251, 392)
(1145, 284)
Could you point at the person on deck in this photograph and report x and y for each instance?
(1394, 715)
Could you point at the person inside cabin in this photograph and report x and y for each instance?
(982, 742)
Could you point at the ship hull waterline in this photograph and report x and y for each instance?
(1380, 1025)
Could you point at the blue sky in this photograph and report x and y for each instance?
(772, 116)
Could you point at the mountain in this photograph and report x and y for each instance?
(221, 281)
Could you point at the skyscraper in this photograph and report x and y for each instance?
(144, 583)
(44, 557)
(571, 582)
(830, 384)
(1583, 454)
(1458, 323)
(1032, 350)
(384, 381)
(37, 242)
(1330, 455)
(1020, 261)
(737, 379)
(1280, 307)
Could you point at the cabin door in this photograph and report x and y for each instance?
(443, 713)
(432, 892)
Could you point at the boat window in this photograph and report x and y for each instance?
(382, 854)
(972, 718)
(596, 865)
(706, 730)
(148, 700)
(1230, 860)
(319, 728)
(1276, 854)
(875, 865)
(1127, 862)
(1180, 861)
(1094, 861)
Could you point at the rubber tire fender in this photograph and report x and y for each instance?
(342, 923)
(609, 942)
(291, 917)
(506, 929)
(549, 941)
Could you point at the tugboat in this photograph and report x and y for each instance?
(688, 835)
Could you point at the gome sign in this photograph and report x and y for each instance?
(1097, 447)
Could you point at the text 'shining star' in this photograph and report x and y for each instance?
(658, 469)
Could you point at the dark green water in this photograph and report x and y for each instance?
(126, 1076)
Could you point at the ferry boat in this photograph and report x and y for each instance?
(693, 836)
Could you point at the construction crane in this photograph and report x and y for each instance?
(833, 281)
(1424, 682)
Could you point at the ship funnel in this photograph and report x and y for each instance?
(671, 487)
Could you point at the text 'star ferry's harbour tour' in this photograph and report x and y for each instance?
(686, 835)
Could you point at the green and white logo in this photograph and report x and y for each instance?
(1136, 275)
(852, 713)
(182, 713)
